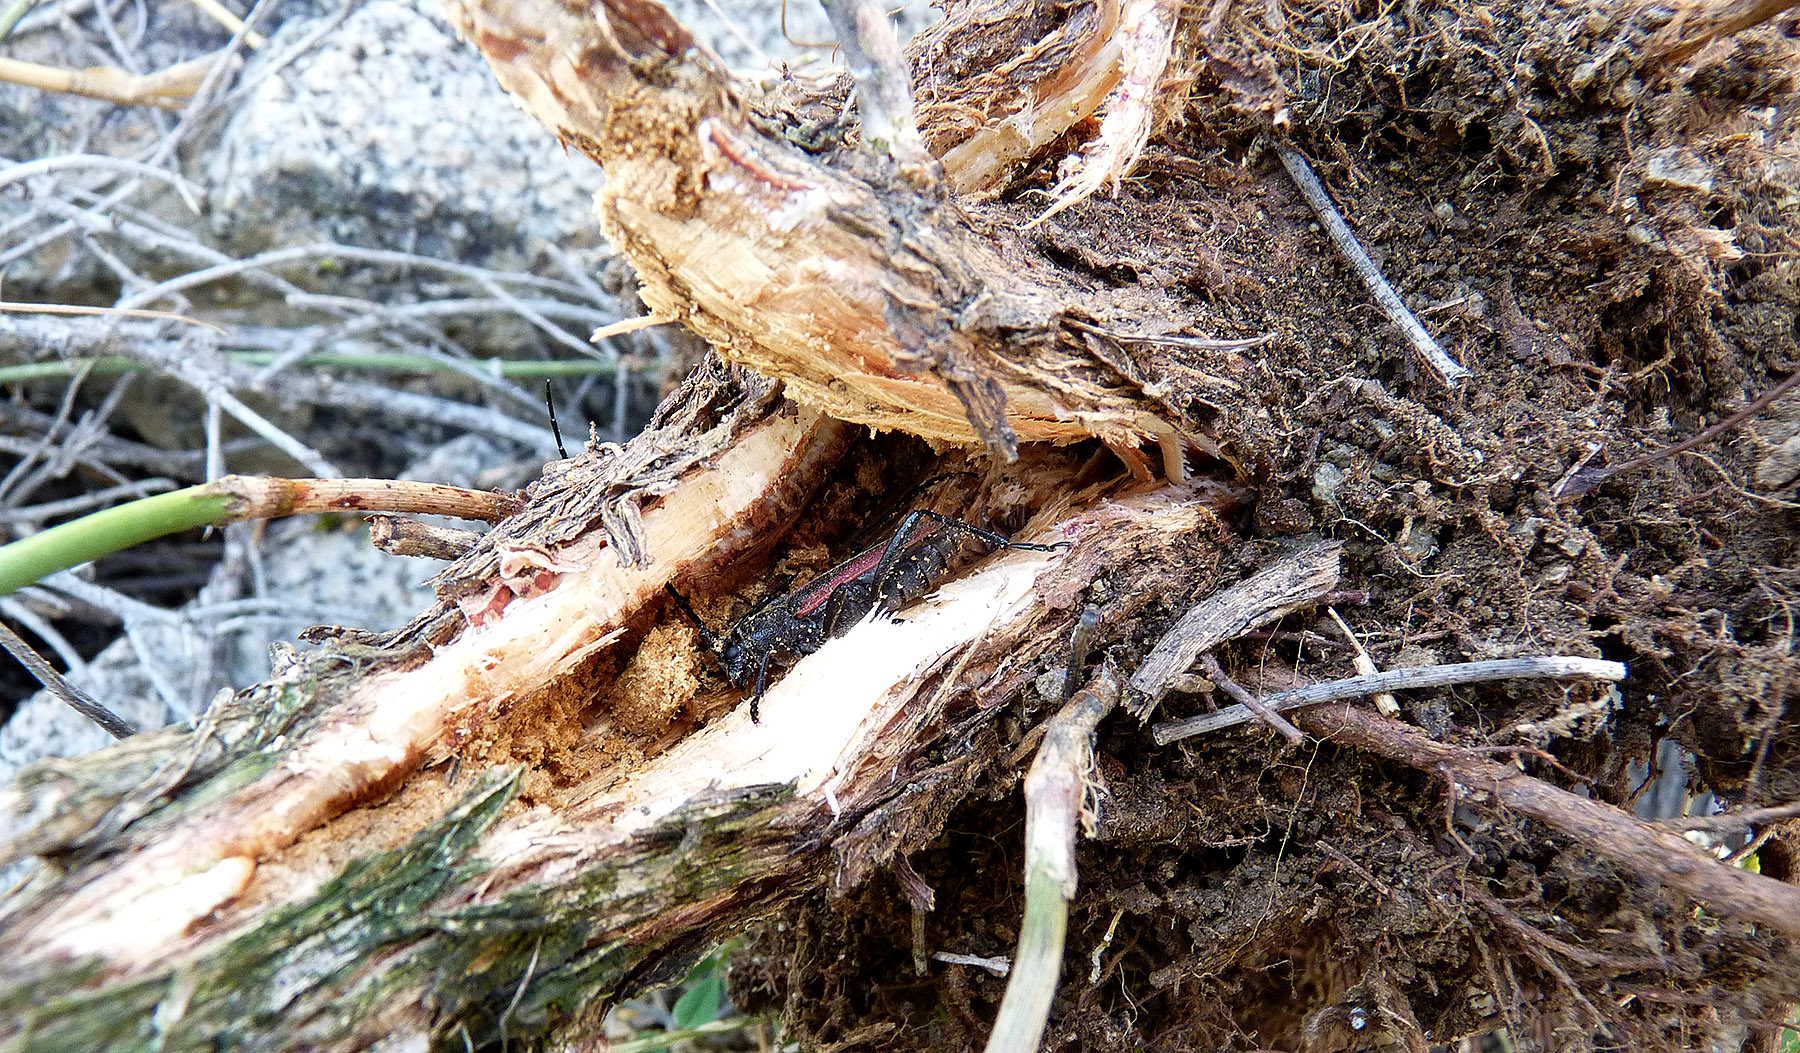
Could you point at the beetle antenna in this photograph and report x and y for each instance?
(706, 635)
(550, 406)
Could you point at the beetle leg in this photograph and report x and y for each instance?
(996, 540)
(845, 608)
(834, 614)
(762, 682)
(891, 557)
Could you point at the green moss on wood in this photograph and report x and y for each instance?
(243, 994)
(393, 939)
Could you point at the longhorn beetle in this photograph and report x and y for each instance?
(882, 578)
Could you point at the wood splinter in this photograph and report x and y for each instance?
(1298, 581)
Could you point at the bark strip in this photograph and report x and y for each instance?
(1289, 585)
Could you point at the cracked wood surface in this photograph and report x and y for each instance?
(871, 293)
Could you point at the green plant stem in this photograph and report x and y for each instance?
(393, 363)
(1055, 787)
(228, 499)
(90, 537)
(665, 1039)
(1036, 965)
(11, 15)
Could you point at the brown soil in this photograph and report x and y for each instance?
(1611, 249)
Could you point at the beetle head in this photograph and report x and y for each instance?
(735, 658)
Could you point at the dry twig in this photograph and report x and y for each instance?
(1552, 668)
(110, 722)
(1750, 817)
(1365, 665)
(170, 88)
(1584, 479)
(1442, 365)
(883, 79)
(221, 14)
(409, 537)
(1216, 673)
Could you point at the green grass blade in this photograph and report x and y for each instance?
(90, 537)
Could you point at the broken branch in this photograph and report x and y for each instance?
(409, 537)
(925, 324)
(1365, 665)
(1647, 850)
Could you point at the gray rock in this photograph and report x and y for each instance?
(394, 133)
(1328, 479)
